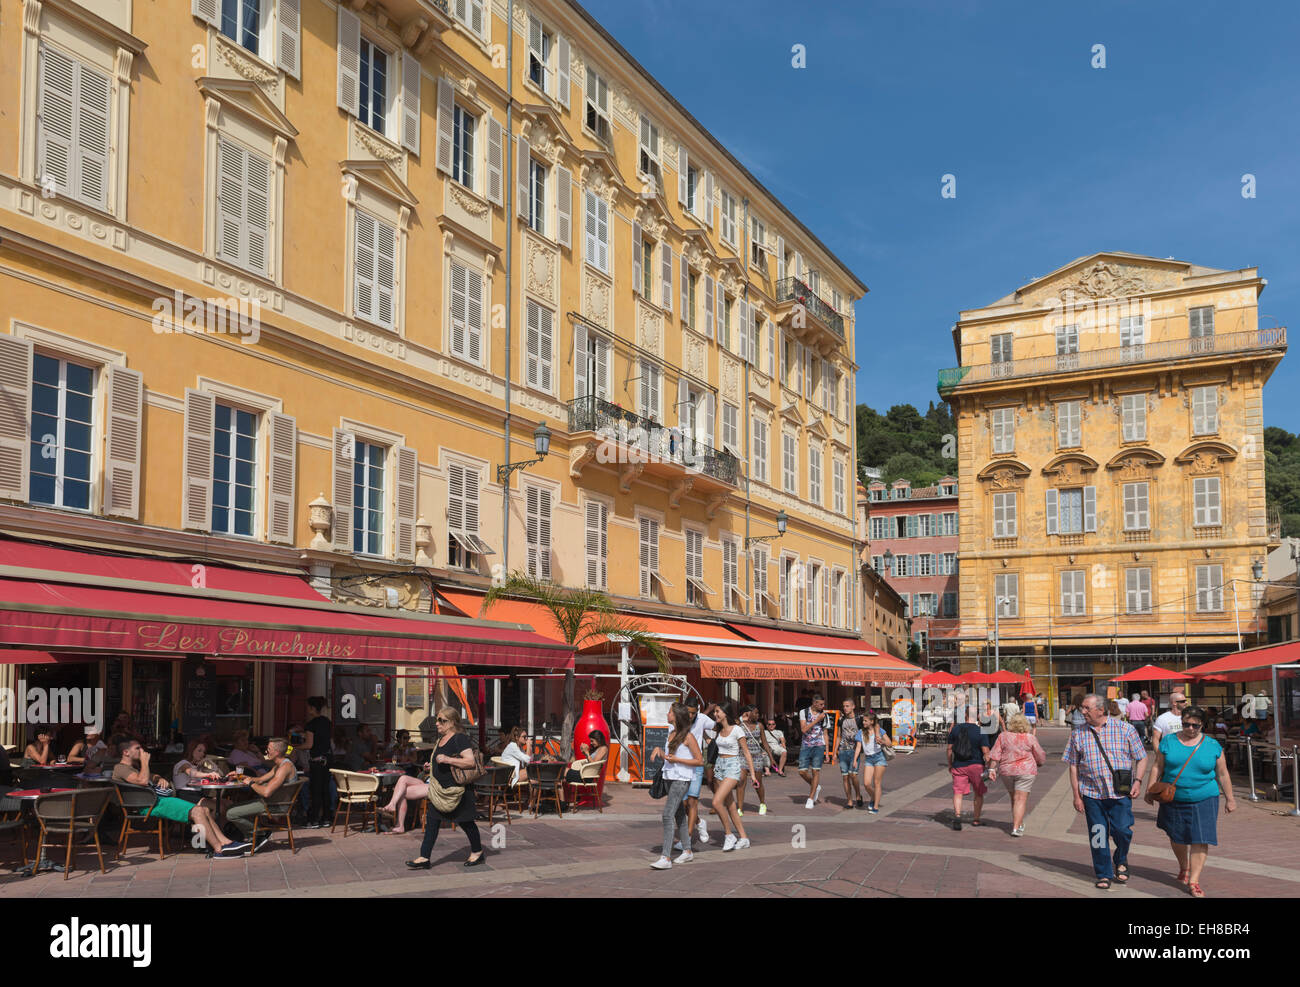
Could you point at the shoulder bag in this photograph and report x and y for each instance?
(1164, 791)
(1121, 778)
(886, 749)
(467, 776)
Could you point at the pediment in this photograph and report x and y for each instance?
(652, 213)
(1104, 276)
(1204, 457)
(1004, 473)
(248, 99)
(544, 130)
(1070, 462)
(600, 171)
(381, 177)
(818, 429)
(1142, 456)
(791, 411)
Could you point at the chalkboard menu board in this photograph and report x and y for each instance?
(654, 737)
(198, 698)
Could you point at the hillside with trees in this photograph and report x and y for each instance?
(1282, 478)
(903, 443)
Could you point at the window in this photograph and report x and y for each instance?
(789, 573)
(878, 563)
(649, 157)
(1006, 590)
(539, 370)
(1137, 590)
(471, 14)
(790, 461)
(374, 265)
(1206, 508)
(537, 196)
(833, 394)
(837, 483)
(730, 590)
(466, 297)
(694, 194)
(1209, 588)
(372, 108)
(463, 542)
(837, 596)
(1069, 428)
(758, 559)
(368, 464)
(1073, 593)
(727, 228)
(1004, 429)
(692, 284)
(924, 525)
(538, 532)
(462, 147)
(539, 55)
(814, 473)
(243, 206)
(597, 544)
(813, 614)
(1067, 347)
(1071, 511)
(1205, 410)
(1200, 322)
(949, 525)
(879, 528)
(72, 121)
(241, 22)
(949, 605)
(651, 389)
(758, 454)
(1004, 515)
(234, 471)
(900, 524)
(1000, 344)
(1137, 507)
(948, 563)
(597, 213)
(925, 564)
(647, 285)
(1133, 409)
(903, 565)
(731, 428)
(597, 115)
(649, 557)
(63, 395)
(1132, 331)
(757, 241)
(924, 604)
(724, 321)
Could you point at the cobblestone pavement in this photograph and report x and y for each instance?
(908, 850)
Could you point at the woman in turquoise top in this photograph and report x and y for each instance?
(1195, 765)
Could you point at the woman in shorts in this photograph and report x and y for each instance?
(869, 756)
(1016, 756)
(733, 760)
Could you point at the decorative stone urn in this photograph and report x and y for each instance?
(320, 518)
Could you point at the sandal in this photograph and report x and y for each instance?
(1102, 883)
(1121, 874)
(1184, 876)
(976, 822)
(1195, 890)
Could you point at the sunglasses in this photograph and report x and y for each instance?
(443, 719)
(1192, 725)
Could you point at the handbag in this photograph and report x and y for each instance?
(1164, 791)
(659, 787)
(445, 800)
(467, 776)
(887, 750)
(1121, 778)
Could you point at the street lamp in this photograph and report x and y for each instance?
(541, 445)
(889, 562)
(782, 519)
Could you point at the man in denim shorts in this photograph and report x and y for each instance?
(812, 750)
(849, 728)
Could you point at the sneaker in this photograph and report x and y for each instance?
(739, 811)
(685, 857)
(663, 863)
(956, 824)
(762, 808)
(262, 842)
(677, 845)
(859, 804)
(808, 804)
(729, 843)
(873, 810)
(818, 796)
(742, 844)
(1018, 831)
(703, 830)
(234, 849)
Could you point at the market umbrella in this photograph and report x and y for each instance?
(1152, 673)
(1002, 677)
(978, 678)
(939, 678)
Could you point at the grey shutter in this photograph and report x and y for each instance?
(206, 11)
(708, 305)
(636, 258)
(563, 206)
(666, 274)
(708, 199)
(523, 157)
(562, 78)
(196, 467)
(710, 419)
(495, 161)
(125, 393)
(410, 104)
(408, 476)
(257, 213)
(1053, 525)
(55, 119)
(363, 267)
(342, 491)
(581, 376)
(446, 122)
(686, 290)
(93, 94)
(596, 545)
(349, 89)
(288, 53)
(15, 416)
(683, 165)
(780, 258)
(1089, 508)
(281, 477)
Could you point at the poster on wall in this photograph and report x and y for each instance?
(904, 724)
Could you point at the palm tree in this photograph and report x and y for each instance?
(581, 616)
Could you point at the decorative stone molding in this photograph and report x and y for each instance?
(238, 61)
(595, 179)
(696, 357)
(730, 379)
(472, 376)
(232, 283)
(1102, 280)
(715, 503)
(629, 475)
(320, 518)
(57, 213)
(377, 146)
(596, 294)
(680, 488)
(579, 456)
(472, 204)
(649, 327)
(539, 268)
(423, 541)
(380, 342)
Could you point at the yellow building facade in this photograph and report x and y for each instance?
(284, 282)
(1110, 438)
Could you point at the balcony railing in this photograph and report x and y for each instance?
(1273, 338)
(794, 290)
(651, 439)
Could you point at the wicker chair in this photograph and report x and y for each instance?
(518, 792)
(12, 821)
(546, 781)
(591, 790)
(63, 813)
(136, 802)
(493, 790)
(355, 789)
(278, 813)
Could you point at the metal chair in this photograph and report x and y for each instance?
(546, 780)
(136, 802)
(12, 821)
(278, 813)
(356, 789)
(591, 790)
(494, 789)
(62, 813)
(518, 792)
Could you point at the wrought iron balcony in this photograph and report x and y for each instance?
(794, 290)
(1273, 338)
(651, 439)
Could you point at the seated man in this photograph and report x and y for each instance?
(133, 769)
(362, 752)
(280, 772)
(90, 752)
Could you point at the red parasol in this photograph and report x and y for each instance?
(1152, 673)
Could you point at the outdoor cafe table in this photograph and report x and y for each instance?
(215, 788)
(28, 797)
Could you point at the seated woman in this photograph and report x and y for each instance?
(244, 754)
(595, 749)
(194, 767)
(91, 752)
(406, 790)
(41, 750)
(516, 753)
(401, 751)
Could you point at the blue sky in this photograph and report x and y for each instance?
(1054, 159)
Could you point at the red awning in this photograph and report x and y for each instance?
(1252, 659)
(771, 653)
(1152, 673)
(807, 642)
(18, 656)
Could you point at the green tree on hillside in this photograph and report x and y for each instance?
(905, 444)
(1282, 478)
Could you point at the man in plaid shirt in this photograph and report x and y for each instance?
(1109, 814)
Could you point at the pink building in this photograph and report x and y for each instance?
(912, 541)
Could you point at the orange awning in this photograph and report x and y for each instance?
(718, 661)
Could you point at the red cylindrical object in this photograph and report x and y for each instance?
(592, 719)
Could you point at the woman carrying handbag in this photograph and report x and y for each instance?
(454, 768)
(1191, 770)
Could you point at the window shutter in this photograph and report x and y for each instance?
(782, 588)
(636, 258)
(55, 118)
(93, 91)
(708, 305)
(1053, 521)
(523, 158)
(721, 309)
(125, 391)
(473, 316)
(230, 201)
(1089, 508)
(741, 308)
(597, 562)
(349, 94)
(257, 213)
(683, 165)
(282, 477)
(604, 368)
(780, 258)
(533, 346)
(666, 275)
(683, 401)
(686, 290)
(563, 206)
(546, 350)
(200, 421)
(342, 491)
(206, 11)
(457, 328)
(408, 478)
(708, 199)
(446, 121)
(411, 76)
(363, 274)
(455, 497)
(581, 375)
(562, 62)
(710, 418)
(15, 416)
(385, 274)
(539, 533)
(289, 27)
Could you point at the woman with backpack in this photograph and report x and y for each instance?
(449, 799)
(869, 755)
(679, 763)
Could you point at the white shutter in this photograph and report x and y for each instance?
(683, 165)
(473, 316)
(683, 399)
(125, 392)
(539, 533)
(597, 545)
(288, 48)
(282, 477)
(562, 62)
(455, 497)
(342, 490)
(257, 213)
(710, 419)
(457, 328)
(771, 348)
(546, 350)
(495, 161)
(363, 264)
(721, 308)
(230, 201)
(636, 258)
(533, 346)
(93, 93)
(55, 119)
(581, 375)
(1089, 508)
(477, 18)
(349, 88)
(666, 275)
(1053, 522)
(780, 258)
(686, 290)
(206, 11)
(523, 158)
(196, 465)
(411, 104)
(708, 199)
(385, 274)
(604, 367)
(563, 206)
(446, 121)
(708, 305)
(407, 501)
(15, 416)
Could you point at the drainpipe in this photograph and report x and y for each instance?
(511, 153)
(745, 417)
